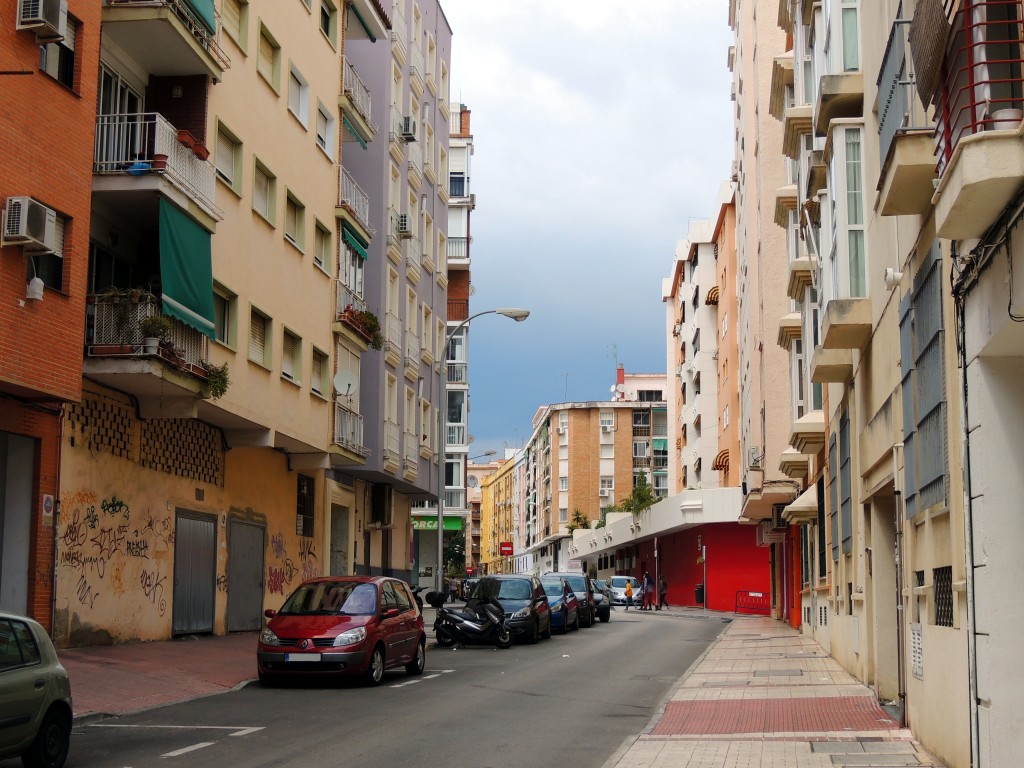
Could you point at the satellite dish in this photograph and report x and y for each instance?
(613, 389)
(345, 384)
(620, 388)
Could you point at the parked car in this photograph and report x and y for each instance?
(584, 590)
(618, 588)
(565, 608)
(35, 703)
(524, 600)
(343, 625)
(602, 600)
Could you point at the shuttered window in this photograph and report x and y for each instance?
(258, 327)
(268, 59)
(833, 494)
(263, 191)
(226, 158)
(845, 484)
(291, 356)
(231, 19)
(318, 372)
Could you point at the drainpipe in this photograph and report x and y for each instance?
(901, 660)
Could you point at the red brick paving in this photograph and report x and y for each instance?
(853, 713)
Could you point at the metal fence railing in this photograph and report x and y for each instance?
(748, 601)
(899, 109)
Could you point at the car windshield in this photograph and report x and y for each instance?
(619, 582)
(553, 587)
(578, 583)
(322, 598)
(510, 589)
(600, 585)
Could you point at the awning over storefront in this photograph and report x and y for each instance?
(186, 269)
(429, 523)
(355, 242)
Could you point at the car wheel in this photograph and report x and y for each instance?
(267, 681)
(575, 623)
(535, 633)
(504, 638)
(375, 669)
(419, 662)
(50, 747)
(588, 620)
(546, 634)
(604, 617)
(444, 638)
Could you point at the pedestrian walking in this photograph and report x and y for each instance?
(629, 593)
(648, 592)
(662, 593)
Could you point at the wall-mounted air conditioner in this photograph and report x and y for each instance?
(409, 128)
(403, 225)
(29, 223)
(560, 430)
(47, 18)
(754, 457)
(606, 427)
(604, 492)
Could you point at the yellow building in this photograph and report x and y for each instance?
(497, 519)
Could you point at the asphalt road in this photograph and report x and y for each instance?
(570, 702)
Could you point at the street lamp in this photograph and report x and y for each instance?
(442, 440)
(489, 453)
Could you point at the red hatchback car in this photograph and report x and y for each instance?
(343, 625)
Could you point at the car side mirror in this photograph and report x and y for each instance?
(270, 613)
(390, 613)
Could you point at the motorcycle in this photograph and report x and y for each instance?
(483, 623)
(416, 596)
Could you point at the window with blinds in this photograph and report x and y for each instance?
(298, 96)
(291, 355)
(58, 59)
(259, 325)
(321, 246)
(318, 372)
(324, 129)
(226, 159)
(268, 59)
(232, 20)
(293, 221)
(263, 192)
(49, 267)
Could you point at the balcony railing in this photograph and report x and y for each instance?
(116, 331)
(411, 456)
(348, 299)
(412, 349)
(458, 248)
(456, 434)
(458, 309)
(456, 373)
(393, 336)
(139, 143)
(982, 87)
(415, 164)
(358, 94)
(391, 441)
(900, 109)
(183, 10)
(352, 196)
(348, 429)
(454, 498)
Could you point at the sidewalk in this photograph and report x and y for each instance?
(762, 696)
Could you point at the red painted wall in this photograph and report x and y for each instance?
(734, 563)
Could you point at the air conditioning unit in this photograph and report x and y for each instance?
(606, 427)
(31, 224)
(778, 522)
(754, 455)
(47, 18)
(403, 225)
(560, 430)
(604, 492)
(408, 128)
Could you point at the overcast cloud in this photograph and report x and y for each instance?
(601, 128)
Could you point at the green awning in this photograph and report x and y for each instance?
(660, 443)
(351, 129)
(429, 523)
(204, 13)
(355, 242)
(186, 269)
(363, 24)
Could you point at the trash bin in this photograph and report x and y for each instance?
(698, 593)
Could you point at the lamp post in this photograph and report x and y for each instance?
(442, 439)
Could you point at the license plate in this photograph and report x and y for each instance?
(302, 657)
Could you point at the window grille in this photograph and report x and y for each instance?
(304, 511)
(943, 592)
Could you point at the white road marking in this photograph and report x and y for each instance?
(239, 730)
(421, 679)
(193, 748)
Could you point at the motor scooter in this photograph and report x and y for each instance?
(483, 623)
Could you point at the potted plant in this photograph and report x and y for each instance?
(371, 325)
(217, 379)
(154, 328)
(200, 151)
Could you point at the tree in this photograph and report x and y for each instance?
(455, 555)
(578, 520)
(642, 498)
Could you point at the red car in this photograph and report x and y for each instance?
(343, 625)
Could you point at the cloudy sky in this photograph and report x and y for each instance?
(601, 129)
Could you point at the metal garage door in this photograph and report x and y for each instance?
(245, 576)
(195, 572)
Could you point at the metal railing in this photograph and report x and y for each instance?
(393, 334)
(416, 62)
(207, 39)
(116, 329)
(748, 601)
(348, 299)
(415, 163)
(458, 248)
(982, 88)
(411, 456)
(398, 31)
(352, 196)
(458, 309)
(412, 349)
(139, 143)
(348, 429)
(391, 440)
(900, 110)
(456, 434)
(413, 258)
(357, 92)
(456, 372)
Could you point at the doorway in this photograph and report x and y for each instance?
(246, 543)
(339, 540)
(195, 572)
(17, 460)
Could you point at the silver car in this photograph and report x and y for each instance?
(35, 695)
(618, 587)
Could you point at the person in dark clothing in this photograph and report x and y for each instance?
(662, 593)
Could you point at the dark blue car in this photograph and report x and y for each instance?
(565, 608)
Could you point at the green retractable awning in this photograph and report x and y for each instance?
(356, 242)
(352, 130)
(660, 443)
(204, 13)
(186, 269)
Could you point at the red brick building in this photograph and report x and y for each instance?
(48, 74)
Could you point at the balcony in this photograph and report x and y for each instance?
(396, 144)
(139, 154)
(414, 165)
(356, 104)
(905, 133)
(793, 464)
(456, 373)
(846, 324)
(348, 431)
(803, 509)
(839, 96)
(797, 122)
(458, 252)
(456, 435)
(790, 329)
(455, 498)
(411, 359)
(808, 433)
(458, 310)
(831, 366)
(356, 322)
(785, 201)
(782, 82)
(416, 68)
(370, 21)
(392, 444)
(410, 457)
(392, 339)
(800, 277)
(167, 378)
(354, 207)
(413, 263)
(166, 38)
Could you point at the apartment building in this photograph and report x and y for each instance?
(404, 284)
(497, 508)
(475, 474)
(49, 62)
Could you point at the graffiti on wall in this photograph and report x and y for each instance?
(98, 541)
(286, 570)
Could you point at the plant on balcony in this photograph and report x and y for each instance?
(367, 324)
(155, 327)
(640, 500)
(578, 520)
(217, 379)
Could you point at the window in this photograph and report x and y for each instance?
(426, 425)
(563, 515)
(563, 483)
(819, 531)
(291, 357)
(319, 373)
(855, 212)
(607, 483)
(264, 192)
(607, 419)
(298, 96)
(224, 308)
(352, 271)
(845, 487)
(58, 59)
(294, 222)
(268, 59)
(348, 363)
(851, 38)
(725, 416)
(321, 246)
(325, 129)
(649, 395)
(329, 21)
(305, 506)
(833, 494)
(607, 451)
(641, 449)
(17, 646)
(49, 267)
(259, 329)
(457, 184)
(234, 20)
(228, 158)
